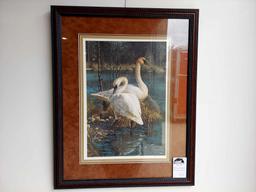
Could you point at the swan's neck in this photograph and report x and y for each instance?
(121, 89)
(143, 87)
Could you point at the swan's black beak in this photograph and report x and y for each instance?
(115, 88)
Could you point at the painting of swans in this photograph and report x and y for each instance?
(124, 96)
(123, 103)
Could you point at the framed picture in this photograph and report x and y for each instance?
(124, 84)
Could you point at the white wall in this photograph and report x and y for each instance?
(226, 105)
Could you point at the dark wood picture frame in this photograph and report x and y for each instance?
(57, 12)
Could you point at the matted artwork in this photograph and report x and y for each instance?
(124, 99)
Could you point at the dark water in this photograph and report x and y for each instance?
(121, 142)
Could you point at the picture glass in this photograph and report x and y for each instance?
(127, 87)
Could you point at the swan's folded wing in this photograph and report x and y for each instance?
(103, 95)
(127, 105)
(134, 90)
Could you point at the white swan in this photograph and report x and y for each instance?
(125, 104)
(141, 91)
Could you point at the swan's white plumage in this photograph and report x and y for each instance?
(104, 95)
(135, 90)
(123, 104)
(127, 105)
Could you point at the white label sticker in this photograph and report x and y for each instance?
(179, 167)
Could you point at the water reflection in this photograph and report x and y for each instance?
(104, 139)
